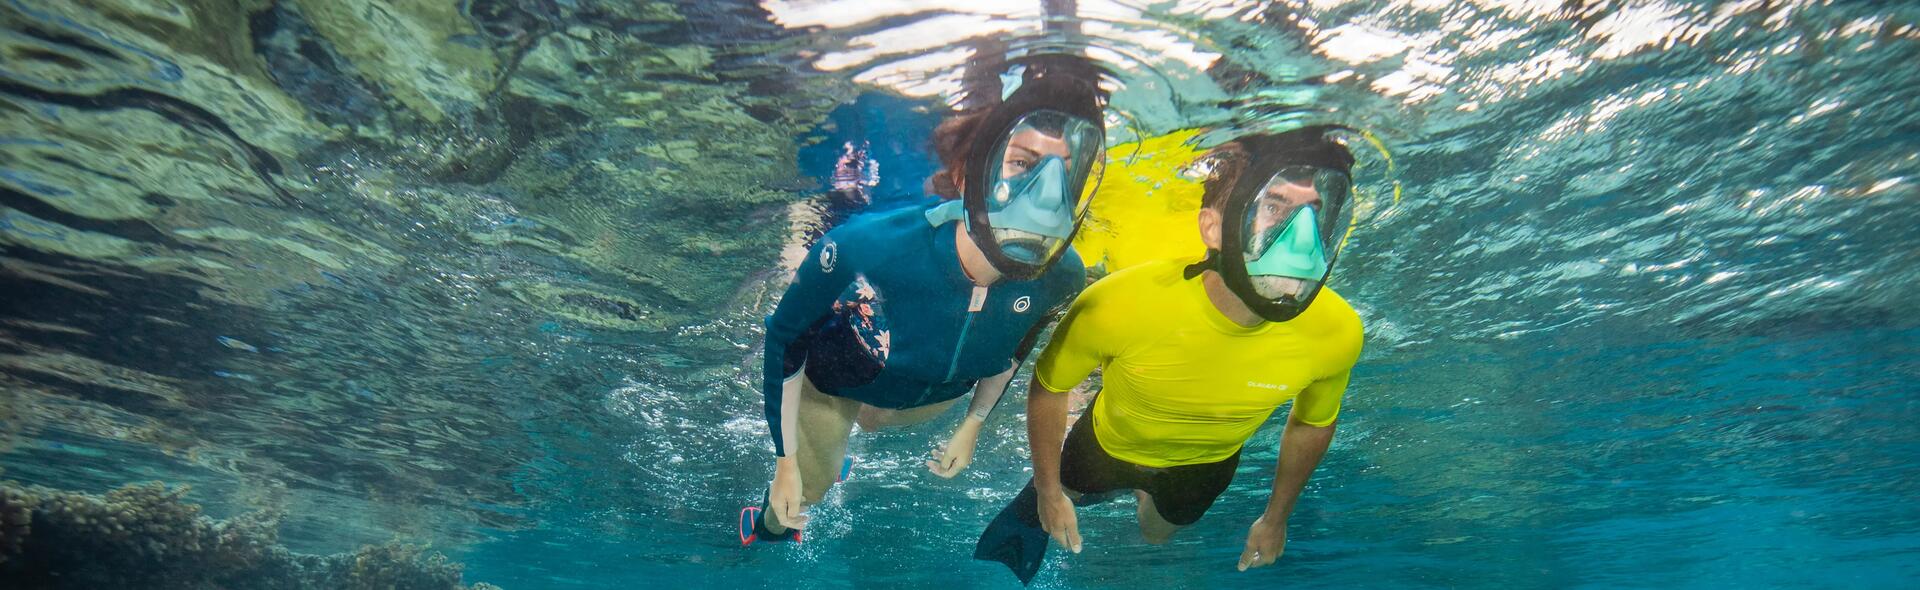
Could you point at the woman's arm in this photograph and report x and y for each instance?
(826, 271)
(954, 456)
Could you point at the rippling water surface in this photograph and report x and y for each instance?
(488, 274)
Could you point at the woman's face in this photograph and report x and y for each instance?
(1026, 148)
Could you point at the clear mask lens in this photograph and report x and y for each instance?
(1294, 229)
(1039, 185)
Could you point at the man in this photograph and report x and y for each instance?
(1195, 357)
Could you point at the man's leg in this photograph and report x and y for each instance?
(872, 418)
(1152, 526)
(1088, 474)
(1177, 497)
(825, 421)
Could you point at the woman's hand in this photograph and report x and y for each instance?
(952, 458)
(785, 498)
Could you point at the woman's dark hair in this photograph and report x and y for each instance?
(951, 140)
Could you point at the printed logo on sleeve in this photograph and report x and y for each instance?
(1022, 304)
(829, 254)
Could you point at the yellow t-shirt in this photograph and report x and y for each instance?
(1184, 385)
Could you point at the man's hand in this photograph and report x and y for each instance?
(952, 458)
(1265, 542)
(1057, 517)
(1301, 447)
(785, 498)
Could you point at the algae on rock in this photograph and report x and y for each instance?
(148, 536)
(387, 197)
(406, 47)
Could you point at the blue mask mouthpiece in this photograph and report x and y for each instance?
(1035, 202)
(1296, 252)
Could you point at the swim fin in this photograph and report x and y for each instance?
(752, 528)
(1015, 536)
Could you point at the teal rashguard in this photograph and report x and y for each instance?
(881, 312)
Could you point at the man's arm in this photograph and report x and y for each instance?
(1301, 448)
(1302, 445)
(1046, 433)
(1079, 346)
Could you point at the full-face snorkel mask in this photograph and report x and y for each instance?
(1035, 166)
(1284, 221)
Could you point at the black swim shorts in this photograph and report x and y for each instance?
(1180, 493)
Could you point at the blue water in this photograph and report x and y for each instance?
(903, 128)
(489, 276)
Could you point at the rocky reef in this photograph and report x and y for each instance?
(147, 536)
(365, 246)
(610, 136)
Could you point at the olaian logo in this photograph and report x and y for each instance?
(1281, 387)
(829, 254)
(1020, 305)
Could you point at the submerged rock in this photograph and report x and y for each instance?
(373, 199)
(148, 536)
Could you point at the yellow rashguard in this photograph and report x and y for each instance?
(1184, 385)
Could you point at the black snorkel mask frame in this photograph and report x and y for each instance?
(1066, 84)
(1268, 154)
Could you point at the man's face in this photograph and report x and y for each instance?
(1282, 199)
(1027, 147)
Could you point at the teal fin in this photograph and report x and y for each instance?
(1015, 537)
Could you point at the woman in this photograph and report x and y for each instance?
(894, 316)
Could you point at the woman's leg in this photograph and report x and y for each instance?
(872, 418)
(825, 422)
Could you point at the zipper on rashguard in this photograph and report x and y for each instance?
(975, 303)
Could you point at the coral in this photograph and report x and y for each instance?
(147, 536)
(16, 521)
(9, 422)
(399, 566)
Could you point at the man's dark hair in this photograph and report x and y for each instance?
(1229, 160)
